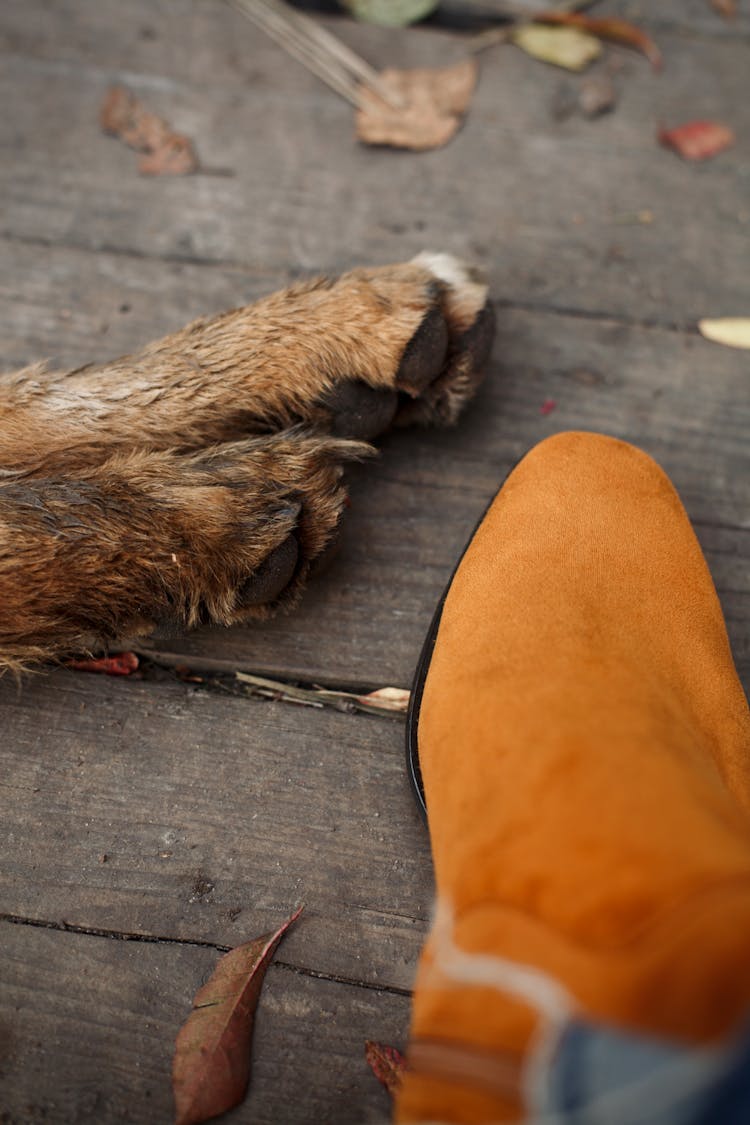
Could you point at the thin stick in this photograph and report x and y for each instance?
(321, 697)
(301, 49)
(494, 35)
(527, 12)
(489, 38)
(318, 50)
(335, 46)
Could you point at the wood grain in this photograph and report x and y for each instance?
(88, 1026)
(362, 623)
(159, 809)
(548, 206)
(678, 397)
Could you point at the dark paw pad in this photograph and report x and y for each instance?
(359, 411)
(424, 356)
(476, 342)
(272, 576)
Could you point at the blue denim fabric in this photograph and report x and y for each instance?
(601, 1076)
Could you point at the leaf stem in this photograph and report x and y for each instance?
(494, 35)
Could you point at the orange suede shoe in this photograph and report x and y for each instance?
(585, 748)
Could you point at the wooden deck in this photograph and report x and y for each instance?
(149, 823)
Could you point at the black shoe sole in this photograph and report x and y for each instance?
(423, 666)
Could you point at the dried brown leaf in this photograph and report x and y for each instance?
(211, 1066)
(387, 1064)
(697, 140)
(164, 151)
(433, 103)
(176, 157)
(725, 8)
(613, 29)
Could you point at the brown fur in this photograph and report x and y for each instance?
(130, 493)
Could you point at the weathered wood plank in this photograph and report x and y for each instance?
(69, 30)
(217, 815)
(683, 399)
(697, 16)
(153, 808)
(68, 306)
(692, 16)
(547, 205)
(89, 1024)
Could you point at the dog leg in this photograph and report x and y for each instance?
(350, 355)
(149, 538)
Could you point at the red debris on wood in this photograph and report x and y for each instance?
(119, 664)
(387, 1064)
(697, 140)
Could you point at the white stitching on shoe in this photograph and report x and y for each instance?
(536, 988)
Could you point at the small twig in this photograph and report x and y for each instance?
(317, 49)
(525, 12)
(572, 6)
(489, 38)
(494, 35)
(336, 48)
(314, 696)
(299, 48)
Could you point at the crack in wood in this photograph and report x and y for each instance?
(120, 935)
(281, 277)
(645, 322)
(207, 676)
(200, 943)
(391, 989)
(137, 255)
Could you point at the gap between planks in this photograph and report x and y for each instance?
(288, 277)
(158, 665)
(160, 939)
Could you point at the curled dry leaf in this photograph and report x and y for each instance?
(211, 1067)
(433, 103)
(568, 47)
(164, 152)
(387, 699)
(697, 140)
(119, 664)
(613, 29)
(733, 331)
(387, 1064)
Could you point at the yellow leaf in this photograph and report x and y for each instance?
(734, 331)
(568, 47)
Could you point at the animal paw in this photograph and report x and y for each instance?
(157, 539)
(434, 336)
(275, 504)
